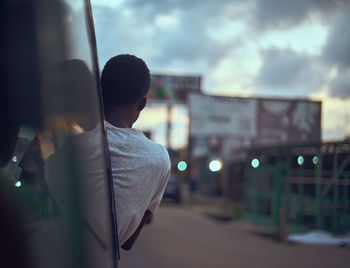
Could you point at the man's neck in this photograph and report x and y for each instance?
(118, 123)
(120, 117)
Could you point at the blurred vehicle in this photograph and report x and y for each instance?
(173, 190)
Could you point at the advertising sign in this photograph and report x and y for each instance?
(212, 115)
(170, 88)
(288, 121)
(226, 124)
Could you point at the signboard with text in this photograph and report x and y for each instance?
(227, 124)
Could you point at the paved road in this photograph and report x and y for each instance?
(183, 237)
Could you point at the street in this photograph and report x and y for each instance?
(184, 237)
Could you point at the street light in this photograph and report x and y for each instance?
(300, 160)
(255, 163)
(182, 165)
(215, 165)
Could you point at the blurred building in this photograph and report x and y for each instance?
(226, 127)
(304, 186)
(263, 154)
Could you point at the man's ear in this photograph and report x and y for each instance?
(142, 104)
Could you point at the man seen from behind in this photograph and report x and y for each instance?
(140, 167)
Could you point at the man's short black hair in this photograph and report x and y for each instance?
(125, 79)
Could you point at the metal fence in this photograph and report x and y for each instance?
(304, 187)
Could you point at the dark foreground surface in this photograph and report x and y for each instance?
(183, 237)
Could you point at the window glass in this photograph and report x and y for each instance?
(57, 177)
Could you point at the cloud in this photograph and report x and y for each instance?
(223, 41)
(340, 86)
(170, 35)
(291, 72)
(299, 73)
(336, 50)
(190, 43)
(152, 8)
(286, 13)
(181, 36)
(118, 31)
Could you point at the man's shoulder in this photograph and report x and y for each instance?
(155, 151)
(133, 140)
(156, 147)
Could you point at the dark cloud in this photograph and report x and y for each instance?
(188, 45)
(287, 13)
(119, 32)
(190, 42)
(138, 31)
(108, 36)
(265, 13)
(187, 42)
(287, 71)
(156, 7)
(337, 48)
(336, 52)
(153, 8)
(340, 86)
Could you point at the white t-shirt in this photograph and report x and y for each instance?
(140, 170)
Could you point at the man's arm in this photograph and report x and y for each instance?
(130, 242)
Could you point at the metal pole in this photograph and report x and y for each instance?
(318, 174)
(168, 125)
(255, 195)
(301, 194)
(346, 201)
(278, 190)
(335, 191)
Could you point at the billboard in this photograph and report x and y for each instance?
(230, 116)
(225, 124)
(173, 88)
(288, 121)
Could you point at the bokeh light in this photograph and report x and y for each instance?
(255, 163)
(182, 165)
(215, 165)
(300, 160)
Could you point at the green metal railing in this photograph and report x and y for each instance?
(310, 182)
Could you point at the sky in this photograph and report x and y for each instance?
(267, 48)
